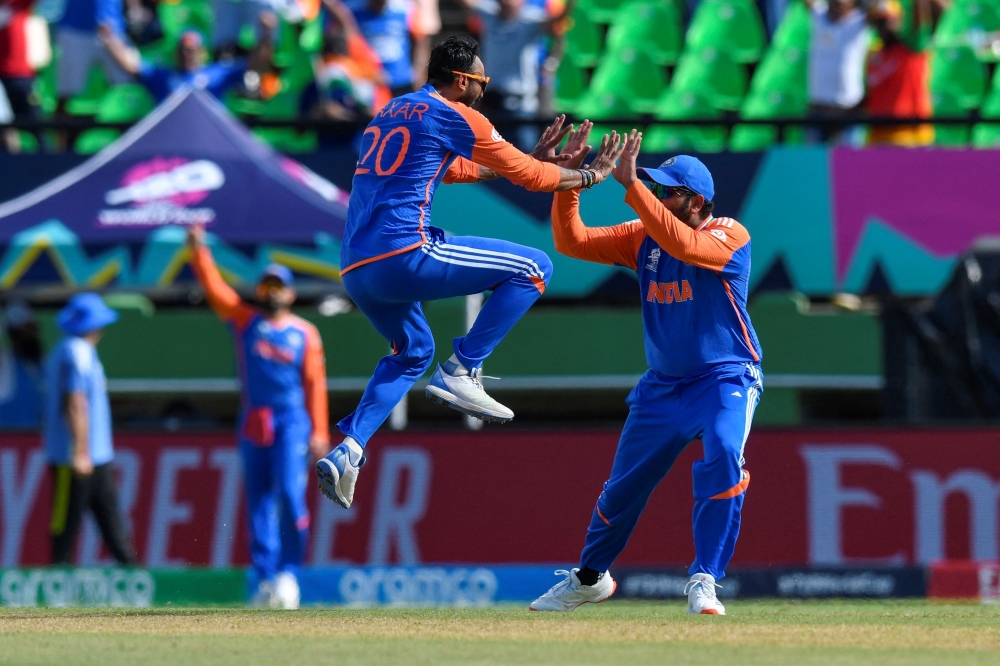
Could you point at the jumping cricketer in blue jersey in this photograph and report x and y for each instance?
(392, 258)
(704, 380)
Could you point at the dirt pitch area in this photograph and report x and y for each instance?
(827, 633)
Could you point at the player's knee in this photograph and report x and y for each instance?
(544, 265)
(419, 354)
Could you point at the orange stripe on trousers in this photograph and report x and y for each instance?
(738, 489)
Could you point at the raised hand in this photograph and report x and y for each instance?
(576, 148)
(196, 235)
(624, 173)
(545, 149)
(611, 148)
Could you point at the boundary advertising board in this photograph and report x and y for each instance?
(818, 498)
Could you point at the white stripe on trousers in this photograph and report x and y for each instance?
(449, 247)
(475, 261)
(753, 397)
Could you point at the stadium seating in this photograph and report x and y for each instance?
(775, 103)
(88, 100)
(624, 59)
(654, 28)
(948, 104)
(783, 70)
(986, 135)
(175, 17)
(601, 11)
(571, 86)
(123, 104)
(732, 25)
(794, 28)
(685, 105)
(967, 22)
(583, 41)
(631, 76)
(713, 73)
(956, 72)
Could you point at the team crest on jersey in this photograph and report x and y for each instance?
(654, 259)
(496, 135)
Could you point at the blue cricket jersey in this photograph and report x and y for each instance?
(693, 282)
(413, 144)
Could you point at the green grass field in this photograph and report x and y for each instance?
(827, 633)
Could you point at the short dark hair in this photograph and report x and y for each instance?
(706, 209)
(454, 54)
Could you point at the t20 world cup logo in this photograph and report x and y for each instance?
(164, 190)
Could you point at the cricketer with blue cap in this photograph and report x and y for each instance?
(283, 415)
(77, 432)
(704, 379)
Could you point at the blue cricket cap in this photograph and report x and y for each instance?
(280, 272)
(84, 314)
(682, 171)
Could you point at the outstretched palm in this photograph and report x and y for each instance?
(625, 173)
(545, 149)
(609, 152)
(576, 148)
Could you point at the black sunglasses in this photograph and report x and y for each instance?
(668, 191)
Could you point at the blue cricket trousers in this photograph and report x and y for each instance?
(665, 415)
(275, 485)
(389, 292)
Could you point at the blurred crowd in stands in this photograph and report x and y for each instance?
(343, 59)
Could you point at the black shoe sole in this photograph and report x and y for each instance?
(325, 476)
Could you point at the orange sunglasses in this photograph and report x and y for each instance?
(484, 80)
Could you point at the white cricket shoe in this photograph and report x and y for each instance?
(465, 393)
(701, 596)
(569, 593)
(286, 591)
(338, 472)
(265, 596)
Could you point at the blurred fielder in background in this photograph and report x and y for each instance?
(704, 380)
(284, 417)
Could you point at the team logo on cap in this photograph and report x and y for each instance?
(670, 162)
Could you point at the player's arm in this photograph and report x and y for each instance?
(125, 57)
(222, 298)
(314, 389)
(546, 150)
(602, 245)
(467, 171)
(710, 249)
(490, 150)
(78, 426)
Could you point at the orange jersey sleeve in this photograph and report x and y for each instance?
(314, 383)
(493, 152)
(711, 246)
(618, 244)
(462, 171)
(220, 296)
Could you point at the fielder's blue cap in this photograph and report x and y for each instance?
(280, 272)
(682, 171)
(84, 314)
